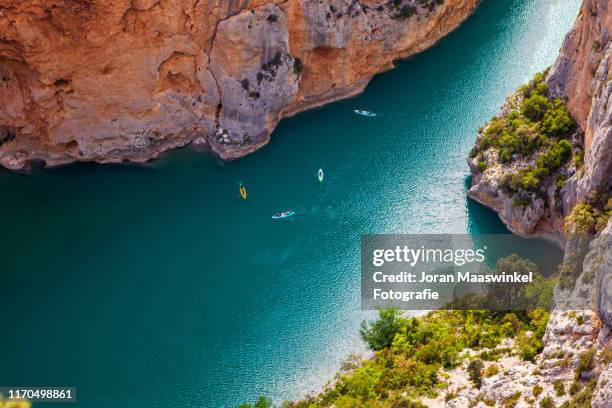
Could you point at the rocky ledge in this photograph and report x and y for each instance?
(125, 80)
(523, 159)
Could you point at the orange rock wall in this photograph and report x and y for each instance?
(124, 80)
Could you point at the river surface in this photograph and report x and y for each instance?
(157, 286)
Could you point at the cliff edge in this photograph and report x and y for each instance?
(550, 148)
(124, 80)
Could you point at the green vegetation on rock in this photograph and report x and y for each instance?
(410, 353)
(537, 130)
(581, 225)
(474, 370)
(587, 218)
(547, 402)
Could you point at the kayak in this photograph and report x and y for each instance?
(364, 113)
(320, 175)
(243, 192)
(284, 214)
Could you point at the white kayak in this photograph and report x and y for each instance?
(364, 113)
(284, 214)
(320, 175)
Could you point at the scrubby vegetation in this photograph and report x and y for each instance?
(537, 390)
(559, 387)
(262, 402)
(587, 218)
(586, 362)
(547, 402)
(420, 347)
(411, 352)
(474, 370)
(512, 400)
(491, 370)
(537, 130)
(583, 398)
(584, 222)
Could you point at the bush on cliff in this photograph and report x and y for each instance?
(474, 370)
(557, 121)
(530, 178)
(587, 218)
(380, 333)
(535, 85)
(534, 107)
(558, 155)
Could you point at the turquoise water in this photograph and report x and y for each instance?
(151, 286)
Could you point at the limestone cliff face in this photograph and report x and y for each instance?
(123, 80)
(582, 76)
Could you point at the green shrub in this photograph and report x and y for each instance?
(494, 354)
(482, 166)
(547, 402)
(528, 347)
(536, 125)
(450, 395)
(522, 201)
(561, 181)
(586, 362)
(362, 383)
(380, 333)
(410, 366)
(474, 370)
(511, 142)
(535, 86)
(559, 388)
(534, 107)
(529, 181)
(504, 155)
(583, 398)
(541, 89)
(512, 400)
(491, 370)
(579, 159)
(581, 220)
(537, 390)
(555, 157)
(574, 388)
(495, 128)
(557, 121)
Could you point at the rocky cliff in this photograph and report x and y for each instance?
(553, 177)
(583, 74)
(124, 80)
(581, 80)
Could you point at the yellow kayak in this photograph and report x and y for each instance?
(243, 192)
